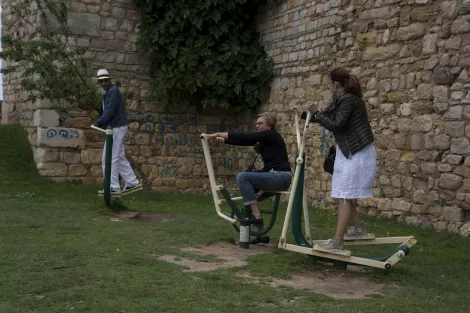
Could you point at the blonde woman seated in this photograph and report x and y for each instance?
(276, 174)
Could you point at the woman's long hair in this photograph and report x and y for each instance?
(349, 82)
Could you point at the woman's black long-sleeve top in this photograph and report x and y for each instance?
(272, 147)
(348, 122)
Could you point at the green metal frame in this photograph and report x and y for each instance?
(246, 212)
(107, 166)
(297, 207)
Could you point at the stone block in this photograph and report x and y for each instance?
(460, 146)
(60, 137)
(449, 9)
(381, 53)
(85, 24)
(442, 225)
(142, 139)
(92, 156)
(429, 168)
(453, 214)
(450, 181)
(46, 118)
(442, 142)
(464, 230)
(462, 170)
(375, 13)
(118, 12)
(461, 25)
(384, 204)
(71, 157)
(110, 24)
(423, 13)
(435, 210)
(429, 44)
(45, 155)
(401, 205)
(455, 129)
(81, 122)
(440, 94)
(413, 31)
(412, 220)
(422, 123)
(397, 96)
(52, 169)
(77, 170)
(367, 38)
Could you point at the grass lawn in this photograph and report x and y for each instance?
(61, 253)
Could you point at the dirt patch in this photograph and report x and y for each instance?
(335, 284)
(142, 217)
(332, 282)
(230, 255)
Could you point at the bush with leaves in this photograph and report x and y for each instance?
(205, 52)
(52, 66)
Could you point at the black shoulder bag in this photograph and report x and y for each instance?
(329, 161)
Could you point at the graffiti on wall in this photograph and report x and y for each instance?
(62, 133)
(60, 137)
(326, 140)
(169, 171)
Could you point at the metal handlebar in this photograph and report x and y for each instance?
(97, 128)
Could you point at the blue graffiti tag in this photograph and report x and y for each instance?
(169, 172)
(161, 128)
(173, 128)
(177, 140)
(324, 142)
(169, 118)
(200, 150)
(51, 133)
(134, 116)
(192, 119)
(149, 118)
(224, 162)
(65, 133)
(147, 127)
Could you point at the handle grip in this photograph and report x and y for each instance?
(97, 128)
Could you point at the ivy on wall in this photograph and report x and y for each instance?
(205, 52)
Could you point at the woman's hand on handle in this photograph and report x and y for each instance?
(214, 138)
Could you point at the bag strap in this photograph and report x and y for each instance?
(252, 164)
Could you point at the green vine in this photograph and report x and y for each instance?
(51, 65)
(205, 52)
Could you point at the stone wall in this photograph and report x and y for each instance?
(165, 142)
(412, 58)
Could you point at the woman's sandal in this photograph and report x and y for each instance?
(260, 239)
(252, 220)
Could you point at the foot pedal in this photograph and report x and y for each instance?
(101, 194)
(125, 193)
(338, 252)
(368, 236)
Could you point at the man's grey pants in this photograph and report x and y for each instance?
(119, 164)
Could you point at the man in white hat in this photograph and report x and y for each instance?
(113, 113)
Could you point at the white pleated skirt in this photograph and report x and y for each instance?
(354, 178)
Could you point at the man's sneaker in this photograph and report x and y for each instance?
(131, 189)
(356, 230)
(333, 244)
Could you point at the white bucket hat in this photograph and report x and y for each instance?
(102, 74)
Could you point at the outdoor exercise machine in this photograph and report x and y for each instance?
(110, 199)
(296, 208)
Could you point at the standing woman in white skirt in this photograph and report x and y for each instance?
(355, 163)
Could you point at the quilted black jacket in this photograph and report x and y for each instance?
(348, 122)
